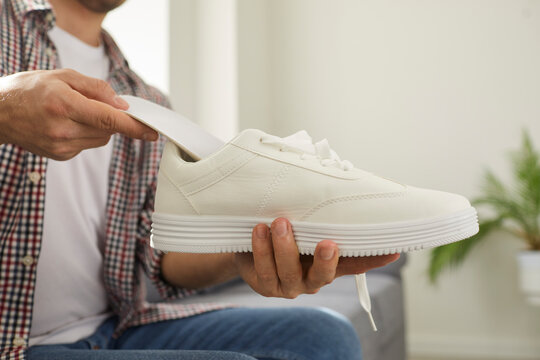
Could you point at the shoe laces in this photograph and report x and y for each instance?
(363, 296)
(302, 144)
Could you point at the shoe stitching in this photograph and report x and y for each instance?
(350, 198)
(223, 174)
(213, 171)
(271, 188)
(166, 176)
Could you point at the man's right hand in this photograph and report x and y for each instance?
(59, 113)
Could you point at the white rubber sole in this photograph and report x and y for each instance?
(220, 234)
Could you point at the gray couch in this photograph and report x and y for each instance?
(386, 292)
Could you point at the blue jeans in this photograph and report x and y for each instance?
(230, 334)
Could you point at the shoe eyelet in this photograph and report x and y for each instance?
(281, 149)
(260, 140)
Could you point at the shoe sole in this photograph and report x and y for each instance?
(225, 234)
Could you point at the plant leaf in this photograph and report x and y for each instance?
(526, 164)
(452, 255)
(517, 204)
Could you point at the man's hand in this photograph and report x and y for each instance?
(59, 113)
(276, 269)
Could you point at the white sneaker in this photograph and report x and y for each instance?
(212, 205)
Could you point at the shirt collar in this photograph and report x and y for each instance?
(117, 59)
(24, 7)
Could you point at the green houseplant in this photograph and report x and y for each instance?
(515, 209)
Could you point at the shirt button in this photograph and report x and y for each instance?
(18, 341)
(27, 260)
(49, 51)
(34, 177)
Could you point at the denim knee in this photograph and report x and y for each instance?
(335, 335)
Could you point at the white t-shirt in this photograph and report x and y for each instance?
(70, 300)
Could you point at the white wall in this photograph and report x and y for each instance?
(430, 93)
(216, 67)
(182, 56)
(254, 56)
(219, 64)
(204, 64)
(187, 49)
(141, 29)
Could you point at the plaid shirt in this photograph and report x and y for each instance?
(132, 183)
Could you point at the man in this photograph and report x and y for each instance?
(77, 186)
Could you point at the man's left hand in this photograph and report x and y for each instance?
(276, 269)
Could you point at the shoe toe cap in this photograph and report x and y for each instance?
(436, 203)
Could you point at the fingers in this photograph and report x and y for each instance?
(323, 270)
(358, 265)
(93, 103)
(264, 262)
(287, 258)
(92, 88)
(60, 113)
(276, 269)
(104, 117)
(244, 263)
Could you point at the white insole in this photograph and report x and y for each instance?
(186, 134)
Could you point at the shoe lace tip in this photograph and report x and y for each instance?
(373, 325)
